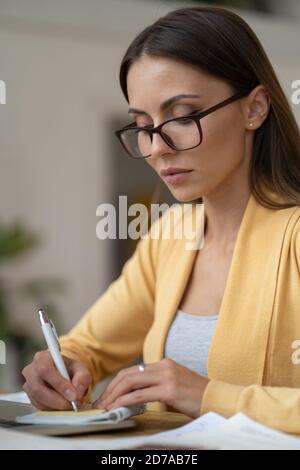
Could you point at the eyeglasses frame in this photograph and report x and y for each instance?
(195, 117)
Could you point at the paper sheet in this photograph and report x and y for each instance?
(242, 433)
(205, 422)
(237, 433)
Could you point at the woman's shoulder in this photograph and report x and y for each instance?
(293, 230)
(292, 214)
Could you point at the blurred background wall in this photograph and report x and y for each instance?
(59, 159)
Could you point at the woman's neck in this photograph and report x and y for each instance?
(224, 213)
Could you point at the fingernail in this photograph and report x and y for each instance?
(69, 394)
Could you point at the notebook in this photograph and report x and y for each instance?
(81, 417)
(94, 421)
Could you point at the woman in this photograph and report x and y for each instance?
(219, 327)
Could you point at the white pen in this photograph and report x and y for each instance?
(52, 341)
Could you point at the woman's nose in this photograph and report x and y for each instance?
(159, 147)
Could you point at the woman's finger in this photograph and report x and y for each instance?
(45, 371)
(126, 373)
(129, 382)
(140, 396)
(44, 397)
(81, 378)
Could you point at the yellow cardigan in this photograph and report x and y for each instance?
(253, 363)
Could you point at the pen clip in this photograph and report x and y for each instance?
(44, 321)
(55, 333)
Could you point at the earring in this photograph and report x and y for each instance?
(250, 124)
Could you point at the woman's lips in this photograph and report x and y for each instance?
(177, 177)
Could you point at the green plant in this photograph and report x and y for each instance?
(15, 241)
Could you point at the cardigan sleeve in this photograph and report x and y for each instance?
(111, 333)
(277, 407)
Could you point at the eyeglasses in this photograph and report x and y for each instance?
(181, 133)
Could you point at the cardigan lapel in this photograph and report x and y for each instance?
(239, 345)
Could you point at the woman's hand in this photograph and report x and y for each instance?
(164, 381)
(48, 390)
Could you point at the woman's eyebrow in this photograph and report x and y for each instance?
(165, 104)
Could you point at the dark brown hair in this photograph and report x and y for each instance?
(221, 43)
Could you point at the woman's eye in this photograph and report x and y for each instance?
(187, 115)
(146, 126)
(184, 115)
(192, 113)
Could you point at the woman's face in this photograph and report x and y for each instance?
(213, 164)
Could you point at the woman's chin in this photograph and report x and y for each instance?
(185, 196)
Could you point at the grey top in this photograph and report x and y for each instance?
(189, 339)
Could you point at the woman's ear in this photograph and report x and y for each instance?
(257, 107)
